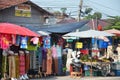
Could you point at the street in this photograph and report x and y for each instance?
(82, 78)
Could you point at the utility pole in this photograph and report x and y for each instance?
(80, 10)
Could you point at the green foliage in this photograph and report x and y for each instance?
(63, 10)
(114, 21)
(85, 57)
(88, 14)
(97, 15)
(88, 10)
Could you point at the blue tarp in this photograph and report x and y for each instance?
(60, 28)
(64, 28)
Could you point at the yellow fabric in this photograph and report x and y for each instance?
(12, 68)
(17, 66)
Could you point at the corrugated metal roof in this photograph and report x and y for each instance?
(8, 3)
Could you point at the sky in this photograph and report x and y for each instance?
(106, 7)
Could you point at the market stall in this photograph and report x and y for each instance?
(15, 58)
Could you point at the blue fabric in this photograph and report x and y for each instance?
(110, 40)
(103, 44)
(24, 42)
(47, 43)
(18, 39)
(59, 54)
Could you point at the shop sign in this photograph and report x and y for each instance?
(23, 10)
(79, 45)
(69, 40)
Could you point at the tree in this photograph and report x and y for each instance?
(88, 10)
(63, 10)
(114, 22)
(88, 14)
(97, 15)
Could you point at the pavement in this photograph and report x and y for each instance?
(78, 78)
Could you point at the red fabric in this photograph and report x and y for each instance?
(84, 51)
(9, 28)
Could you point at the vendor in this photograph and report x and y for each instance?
(118, 51)
(109, 51)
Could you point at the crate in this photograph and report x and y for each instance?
(94, 73)
(87, 72)
(117, 72)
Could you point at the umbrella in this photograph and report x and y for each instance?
(8, 28)
(89, 33)
(113, 31)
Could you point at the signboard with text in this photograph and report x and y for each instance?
(23, 10)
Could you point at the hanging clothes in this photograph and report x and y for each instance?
(34, 40)
(17, 65)
(5, 41)
(23, 44)
(40, 56)
(47, 43)
(44, 58)
(55, 59)
(59, 54)
(1, 50)
(31, 46)
(18, 39)
(4, 62)
(27, 61)
(22, 62)
(12, 66)
(49, 62)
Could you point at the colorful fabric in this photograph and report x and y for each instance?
(13, 39)
(47, 43)
(24, 42)
(31, 47)
(4, 64)
(59, 51)
(17, 66)
(22, 64)
(44, 58)
(12, 68)
(54, 51)
(49, 62)
(27, 62)
(18, 39)
(35, 40)
(5, 41)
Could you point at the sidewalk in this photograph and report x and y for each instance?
(82, 78)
